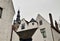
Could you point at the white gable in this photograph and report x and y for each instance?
(20, 26)
(32, 25)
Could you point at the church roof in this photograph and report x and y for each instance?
(18, 15)
(25, 20)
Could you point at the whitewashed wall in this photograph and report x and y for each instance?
(47, 27)
(6, 19)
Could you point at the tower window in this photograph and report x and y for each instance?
(43, 32)
(32, 23)
(23, 26)
(1, 12)
(40, 22)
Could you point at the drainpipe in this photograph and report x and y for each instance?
(11, 34)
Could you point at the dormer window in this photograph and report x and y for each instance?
(40, 22)
(23, 26)
(1, 12)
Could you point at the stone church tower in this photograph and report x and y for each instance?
(6, 17)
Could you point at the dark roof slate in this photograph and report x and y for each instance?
(32, 20)
(27, 22)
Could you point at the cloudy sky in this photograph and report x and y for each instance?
(30, 8)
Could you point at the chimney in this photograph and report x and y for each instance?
(51, 20)
(56, 25)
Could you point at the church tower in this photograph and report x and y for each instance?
(17, 22)
(6, 17)
(18, 17)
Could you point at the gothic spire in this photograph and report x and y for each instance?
(18, 17)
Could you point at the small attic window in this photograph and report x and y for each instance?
(1, 12)
(23, 26)
(32, 23)
(40, 22)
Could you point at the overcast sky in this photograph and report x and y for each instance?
(30, 8)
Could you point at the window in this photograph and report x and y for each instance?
(40, 22)
(43, 32)
(32, 23)
(0, 12)
(23, 26)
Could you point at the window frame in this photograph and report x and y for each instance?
(43, 32)
(1, 9)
